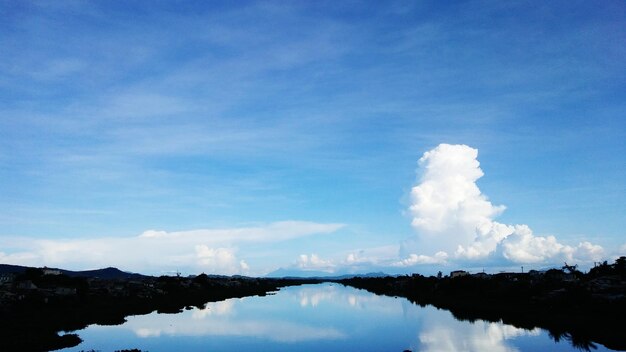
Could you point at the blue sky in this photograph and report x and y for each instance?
(294, 129)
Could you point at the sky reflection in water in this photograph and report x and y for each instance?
(311, 318)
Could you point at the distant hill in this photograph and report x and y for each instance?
(294, 273)
(106, 273)
(12, 269)
(287, 273)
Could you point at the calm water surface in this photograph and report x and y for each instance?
(325, 317)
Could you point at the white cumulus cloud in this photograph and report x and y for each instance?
(222, 260)
(314, 262)
(447, 205)
(414, 259)
(452, 216)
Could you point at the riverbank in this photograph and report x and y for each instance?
(583, 308)
(37, 307)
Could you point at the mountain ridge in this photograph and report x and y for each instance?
(103, 273)
(299, 274)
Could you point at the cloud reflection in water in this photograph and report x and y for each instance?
(310, 317)
(443, 333)
(220, 319)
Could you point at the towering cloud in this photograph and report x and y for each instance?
(450, 214)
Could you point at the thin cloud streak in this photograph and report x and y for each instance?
(209, 250)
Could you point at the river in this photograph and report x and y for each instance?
(324, 317)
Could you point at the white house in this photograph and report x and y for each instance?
(458, 273)
(48, 271)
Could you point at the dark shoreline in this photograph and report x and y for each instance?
(33, 322)
(568, 310)
(585, 309)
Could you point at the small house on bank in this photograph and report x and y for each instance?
(458, 273)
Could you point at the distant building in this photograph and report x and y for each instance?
(458, 273)
(507, 276)
(48, 271)
(481, 275)
(557, 275)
